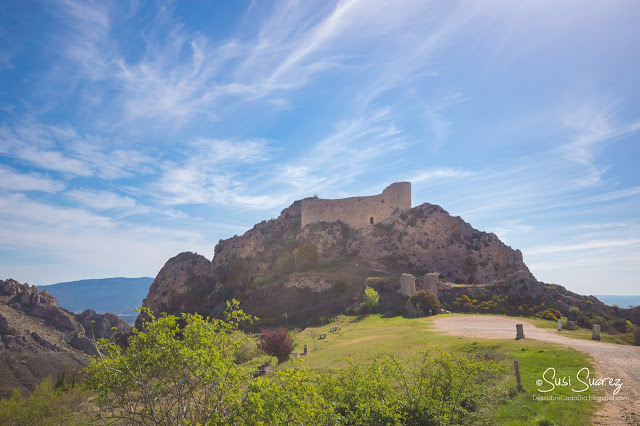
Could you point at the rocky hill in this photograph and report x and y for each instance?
(38, 338)
(278, 268)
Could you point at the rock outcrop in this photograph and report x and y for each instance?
(39, 338)
(276, 267)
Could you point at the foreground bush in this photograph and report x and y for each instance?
(182, 371)
(439, 389)
(47, 405)
(171, 374)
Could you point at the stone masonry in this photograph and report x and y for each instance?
(431, 282)
(358, 212)
(407, 285)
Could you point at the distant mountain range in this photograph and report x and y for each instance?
(117, 295)
(620, 300)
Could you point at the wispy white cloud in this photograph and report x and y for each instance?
(216, 151)
(54, 160)
(182, 74)
(13, 181)
(512, 226)
(595, 129)
(598, 226)
(207, 174)
(588, 245)
(441, 127)
(101, 200)
(64, 150)
(437, 174)
(55, 237)
(86, 40)
(349, 151)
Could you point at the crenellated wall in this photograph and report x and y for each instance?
(358, 212)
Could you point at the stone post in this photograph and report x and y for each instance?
(306, 350)
(519, 332)
(596, 332)
(559, 324)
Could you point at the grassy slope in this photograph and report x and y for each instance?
(583, 333)
(361, 339)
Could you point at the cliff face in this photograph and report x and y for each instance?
(38, 338)
(277, 267)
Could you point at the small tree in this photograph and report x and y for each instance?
(313, 334)
(370, 300)
(176, 370)
(276, 343)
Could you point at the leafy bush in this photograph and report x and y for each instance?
(636, 336)
(573, 312)
(425, 300)
(47, 405)
(276, 343)
(171, 374)
(441, 389)
(550, 314)
(370, 300)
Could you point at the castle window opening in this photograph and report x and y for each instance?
(371, 220)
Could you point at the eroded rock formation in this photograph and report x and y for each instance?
(38, 338)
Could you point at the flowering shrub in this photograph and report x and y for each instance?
(276, 343)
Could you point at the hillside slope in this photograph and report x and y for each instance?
(38, 338)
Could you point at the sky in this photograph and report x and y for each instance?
(131, 131)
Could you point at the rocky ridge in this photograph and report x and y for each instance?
(38, 338)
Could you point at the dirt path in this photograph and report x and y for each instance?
(611, 360)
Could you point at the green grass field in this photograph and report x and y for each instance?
(359, 339)
(583, 333)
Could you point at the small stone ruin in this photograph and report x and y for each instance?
(407, 285)
(431, 281)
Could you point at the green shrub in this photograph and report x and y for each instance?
(573, 312)
(370, 300)
(425, 300)
(171, 374)
(45, 406)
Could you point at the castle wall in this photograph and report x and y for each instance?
(357, 212)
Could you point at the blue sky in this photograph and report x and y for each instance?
(133, 131)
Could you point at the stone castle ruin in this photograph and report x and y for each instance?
(358, 212)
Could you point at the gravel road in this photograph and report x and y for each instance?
(610, 360)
